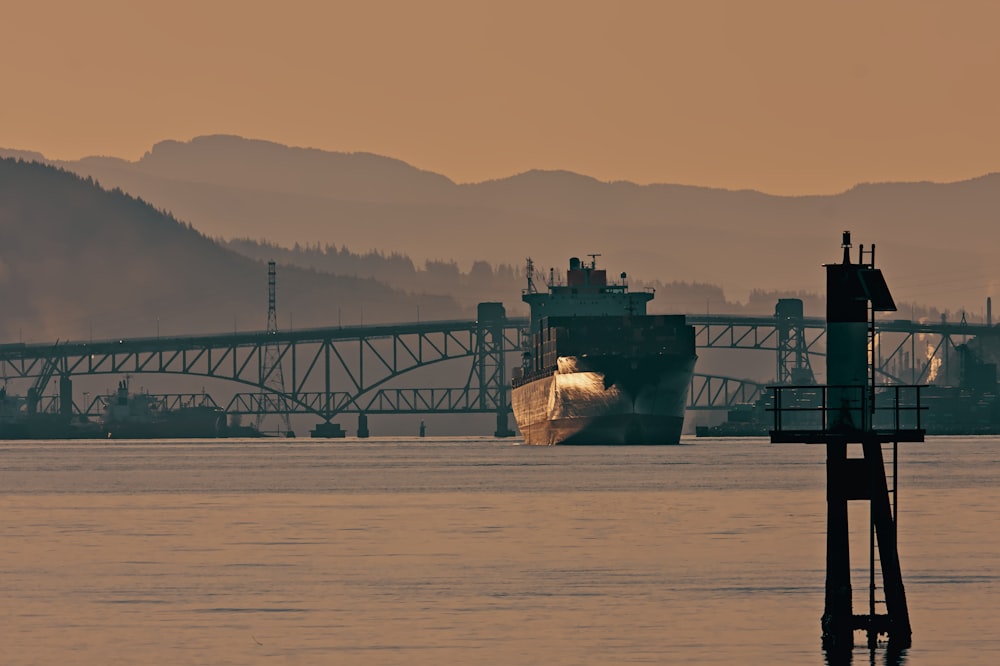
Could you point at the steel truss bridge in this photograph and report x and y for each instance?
(330, 372)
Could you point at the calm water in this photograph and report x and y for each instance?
(471, 551)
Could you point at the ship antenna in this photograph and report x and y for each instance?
(530, 271)
(593, 260)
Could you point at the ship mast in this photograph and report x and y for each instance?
(529, 270)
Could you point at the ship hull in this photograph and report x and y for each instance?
(184, 423)
(606, 401)
(46, 426)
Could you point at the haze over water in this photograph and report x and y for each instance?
(471, 551)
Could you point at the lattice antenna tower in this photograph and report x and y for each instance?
(272, 374)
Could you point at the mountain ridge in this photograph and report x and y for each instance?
(738, 239)
(233, 140)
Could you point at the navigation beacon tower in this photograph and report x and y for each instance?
(850, 413)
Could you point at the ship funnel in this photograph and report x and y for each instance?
(574, 263)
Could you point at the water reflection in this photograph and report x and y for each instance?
(885, 654)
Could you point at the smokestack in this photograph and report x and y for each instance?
(989, 311)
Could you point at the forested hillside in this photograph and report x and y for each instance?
(78, 261)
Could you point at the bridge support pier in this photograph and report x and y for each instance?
(363, 425)
(491, 363)
(503, 429)
(327, 430)
(65, 395)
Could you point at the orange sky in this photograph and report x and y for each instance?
(783, 96)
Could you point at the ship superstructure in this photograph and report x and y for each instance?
(598, 368)
(143, 416)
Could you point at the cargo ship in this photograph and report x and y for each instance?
(20, 419)
(143, 416)
(596, 368)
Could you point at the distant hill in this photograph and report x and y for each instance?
(484, 282)
(935, 241)
(77, 261)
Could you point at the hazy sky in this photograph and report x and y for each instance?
(792, 96)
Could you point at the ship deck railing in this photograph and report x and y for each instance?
(819, 414)
(529, 377)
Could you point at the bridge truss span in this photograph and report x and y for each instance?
(741, 332)
(327, 371)
(331, 371)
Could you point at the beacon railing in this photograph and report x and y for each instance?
(819, 414)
